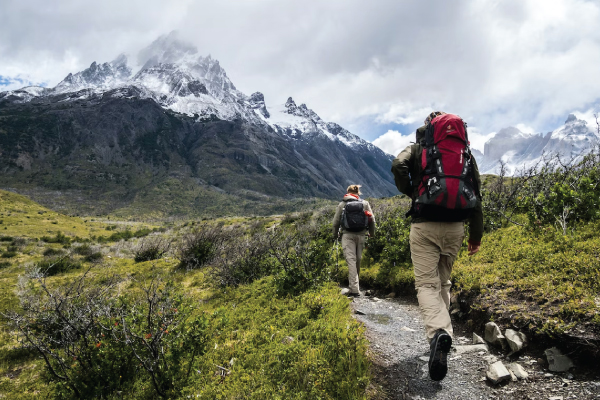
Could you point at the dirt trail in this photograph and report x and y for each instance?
(400, 352)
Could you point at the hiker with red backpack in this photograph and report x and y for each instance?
(441, 176)
(355, 218)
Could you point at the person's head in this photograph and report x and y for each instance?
(353, 189)
(432, 116)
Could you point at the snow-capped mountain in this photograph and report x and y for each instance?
(120, 128)
(522, 150)
(175, 76)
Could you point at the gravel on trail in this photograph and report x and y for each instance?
(400, 352)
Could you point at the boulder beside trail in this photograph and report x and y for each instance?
(497, 373)
(493, 335)
(518, 370)
(516, 340)
(557, 361)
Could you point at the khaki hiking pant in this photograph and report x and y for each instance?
(433, 249)
(352, 246)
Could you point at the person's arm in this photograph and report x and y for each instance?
(372, 224)
(401, 170)
(476, 219)
(336, 220)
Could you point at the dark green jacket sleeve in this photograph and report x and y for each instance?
(401, 169)
(476, 219)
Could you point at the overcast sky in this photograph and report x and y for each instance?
(377, 68)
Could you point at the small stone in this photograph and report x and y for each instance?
(345, 291)
(287, 340)
(557, 361)
(490, 359)
(548, 375)
(375, 299)
(368, 293)
(493, 334)
(516, 340)
(424, 358)
(391, 295)
(358, 312)
(477, 339)
(555, 398)
(497, 373)
(470, 348)
(518, 370)
(406, 329)
(513, 377)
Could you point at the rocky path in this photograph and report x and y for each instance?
(400, 353)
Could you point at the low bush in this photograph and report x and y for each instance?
(83, 250)
(4, 264)
(94, 257)
(57, 265)
(9, 254)
(151, 248)
(6, 238)
(304, 257)
(244, 260)
(95, 341)
(202, 245)
(52, 252)
(58, 238)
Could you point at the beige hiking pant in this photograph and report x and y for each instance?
(433, 249)
(353, 245)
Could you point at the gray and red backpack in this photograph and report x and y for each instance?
(446, 189)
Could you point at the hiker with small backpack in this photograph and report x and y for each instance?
(441, 176)
(355, 218)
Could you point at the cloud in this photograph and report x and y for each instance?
(495, 63)
(393, 142)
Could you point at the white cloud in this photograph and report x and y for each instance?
(504, 63)
(478, 139)
(393, 142)
(524, 128)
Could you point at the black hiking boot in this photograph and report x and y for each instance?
(438, 363)
(351, 295)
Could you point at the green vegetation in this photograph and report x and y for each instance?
(258, 317)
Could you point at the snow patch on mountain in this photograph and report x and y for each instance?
(519, 150)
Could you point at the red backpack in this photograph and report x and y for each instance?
(447, 190)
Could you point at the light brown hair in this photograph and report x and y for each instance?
(354, 189)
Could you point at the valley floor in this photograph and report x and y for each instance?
(399, 352)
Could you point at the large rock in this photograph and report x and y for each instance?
(470, 348)
(497, 373)
(516, 340)
(557, 361)
(518, 370)
(493, 335)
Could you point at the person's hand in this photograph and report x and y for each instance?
(473, 248)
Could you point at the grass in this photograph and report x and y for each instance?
(545, 280)
(270, 346)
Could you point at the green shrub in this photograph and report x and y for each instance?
(6, 238)
(201, 246)
(4, 264)
(58, 238)
(54, 266)
(151, 248)
(94, 257)
(304, 256)
(51, 252)
(99, 342)
(83, 250)
(9, 254)
(244, 260)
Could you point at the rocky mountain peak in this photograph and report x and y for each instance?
(571, 118)
(257, 103)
